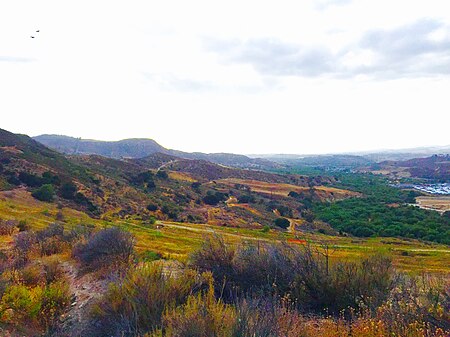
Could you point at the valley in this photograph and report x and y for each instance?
(82, 233)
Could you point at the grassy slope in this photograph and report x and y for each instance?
(177, 240)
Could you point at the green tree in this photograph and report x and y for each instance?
(282, 222)
(68, 190)
(44, 193)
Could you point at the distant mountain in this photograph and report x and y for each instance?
(127, 148)
(436, 167)
(349, 157)
(406, 154)
(337, 161)
(140, 148)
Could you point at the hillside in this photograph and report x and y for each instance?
(435, 168)
(140, 148)
(176, 189)
(127, 148)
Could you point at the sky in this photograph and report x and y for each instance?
(303, 77)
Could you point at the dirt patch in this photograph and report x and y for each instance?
(437, 203)
(262, 187)
(85, 290)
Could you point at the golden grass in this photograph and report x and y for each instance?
(247, 207)
(284, 189)
(181, 176)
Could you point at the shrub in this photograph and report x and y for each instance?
(343, 285)
(246, 199)
(32, 275)
(162, 174)
(202, 315)
(44, 193)
(23, 226)
(50, 178)
(52, 271)
(111, 245)
(51, 230)
(20, 302)
(196, 185)
(282, 223)
(152, 207)
(136, 306)
(304, 275)
(265, 229)
(81, 232)
(55, 299)
(214, 198)
(23, 244)
(214, 256)
(7, 227)
(30, 179)
(68, 190)
(51, 240)
(52, 245)
(149, 256)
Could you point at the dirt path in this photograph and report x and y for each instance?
(85, 289)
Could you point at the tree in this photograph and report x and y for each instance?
(282, 222)
(44, 193)
(68, 190)
(162, 174)
(152, 207)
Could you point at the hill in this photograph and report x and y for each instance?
(140, 148)
(158, 186)
(434, 168)
(170, 188)
(127, 148)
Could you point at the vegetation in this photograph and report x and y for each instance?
(282, 222)
(44, 193)
(108, 246)
(270, 291)
(382, 212)
(131, 272)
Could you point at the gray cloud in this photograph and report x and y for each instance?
(273, 57)
(407, 51)
(15, 59)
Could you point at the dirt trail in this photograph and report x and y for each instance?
(85, 289)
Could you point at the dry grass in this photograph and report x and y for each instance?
(284, 189)
(177, 240)
(181, 176)
(438, 203)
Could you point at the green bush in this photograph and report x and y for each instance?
(55, 300)
(44, 193)
(20, 302)
(282, 223)
(68, 190)
(152, 207)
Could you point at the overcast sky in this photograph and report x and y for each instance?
(231, 76)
